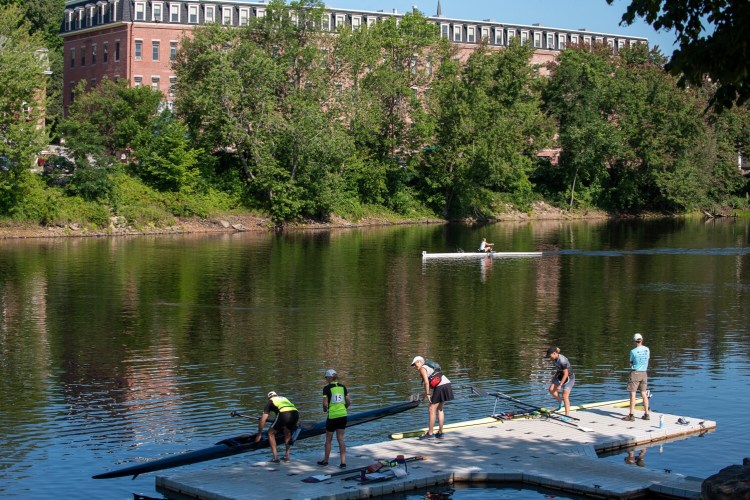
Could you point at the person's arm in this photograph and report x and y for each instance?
(425, 381)
(564, 376)
(325, 399)
(348, 401)
(261, 424)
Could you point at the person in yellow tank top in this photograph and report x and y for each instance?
(335, 403)
(286, 421)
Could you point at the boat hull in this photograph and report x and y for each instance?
(246, 442)
(479, 255)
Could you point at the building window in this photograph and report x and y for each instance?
(620, 44)
(68, 20)
(193, 14)
(574, 39)
(340, 21)
(428, 67)
(587, 40)
(471, 34)
(551, 41)
(79, 16)
(244, 16)
(524, 37)
(209, 14)
(371, 21)
(114, 11)
(599, 40)
(137, 81)
(260, 12)
(72, 58)
(138, 50)
(105, 52)
(356, 22)
(498, 36)
(537, 40)
(172, 84)
(457, 32)
(511, 36)
(117, 50)
(156, 11)
(83, 55)
(154, 83)
(140, 11)
(155, 45)
(561, 39)
(93, 53)
(172, 50)
(485, 34)
(174, 12)
(102, 12)
(325, 23)
(226, 16)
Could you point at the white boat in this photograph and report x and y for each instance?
(475, 255)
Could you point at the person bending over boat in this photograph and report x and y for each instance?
(442, 391)
(563, 380)
(485, 247)
(638, 380)
(335, 402)
(286, 421)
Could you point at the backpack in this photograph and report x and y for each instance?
(437, 373)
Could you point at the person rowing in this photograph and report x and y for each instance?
(485, 247)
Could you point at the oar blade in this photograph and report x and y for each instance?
(317, 479)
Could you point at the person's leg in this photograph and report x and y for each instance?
(553, 390)
(287, 438)
(432, 408)
(342, 445)
(566, 399)
(441, 417)
(644, 395)
(329, 439)
(272, 442)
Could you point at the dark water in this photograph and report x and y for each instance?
(120, 350)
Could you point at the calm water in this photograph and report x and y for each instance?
(120, 350)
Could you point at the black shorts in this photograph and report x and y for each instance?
(286, 419)
(334, 424)
(441, 394)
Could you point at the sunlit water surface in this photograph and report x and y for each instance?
(121, 350)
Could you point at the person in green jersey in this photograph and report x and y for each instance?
(335, 402)
(286, 421)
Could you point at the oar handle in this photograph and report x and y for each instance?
(235, 413)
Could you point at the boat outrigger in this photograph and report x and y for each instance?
(246, 442)
(478, 255)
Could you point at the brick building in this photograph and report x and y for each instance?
(137, 39)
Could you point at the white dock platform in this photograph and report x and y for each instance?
(537, 452)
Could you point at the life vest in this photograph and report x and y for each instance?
(283, 404)
(337, 403)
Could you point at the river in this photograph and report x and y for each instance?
(125, 349)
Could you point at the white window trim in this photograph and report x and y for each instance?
(550, 41)
(537, 36)
(137, 81)
(244, 19)
(524, 37)
(114, 10)
(574, 39)
(156, 43)
(356, 22)
(141, 13)
(174, 8)
(105, 52)
(224, 11)
(160, 18)
(471, 34)
(511, 35)
(260, 12)
(499, 36)
(371, 20)
(194, 8)
(458, 32)
(325, 22)
(340, 20)
(135, 52)
(562, 40)
(485, 33)
(212, 17)
(445, 31)
(587, 40)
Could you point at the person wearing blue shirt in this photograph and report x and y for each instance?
(638, 381)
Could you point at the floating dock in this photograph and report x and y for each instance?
(535, 451)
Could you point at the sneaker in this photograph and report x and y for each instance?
(275, 461)
(426, 436)
(629, 418)
(646, 416)
(439, 435)
(342, 466)
(323, 462)
(561, 406)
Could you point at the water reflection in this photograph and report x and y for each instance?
(120, 350)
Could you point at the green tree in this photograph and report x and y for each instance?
(712, 42)
(22, 102)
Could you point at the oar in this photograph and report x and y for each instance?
(500, 395)
(558, 418)
(235, 413)
(368, 468)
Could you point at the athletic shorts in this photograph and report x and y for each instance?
(441, 394)
(334, 424)
(638, 381)
(286, 419)
(567, 386)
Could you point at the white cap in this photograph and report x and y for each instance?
(637, 337)
(417, 359)
(271, 394)
(331, 373)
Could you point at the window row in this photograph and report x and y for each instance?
(105, 11)
(88, 54)
(193, 13)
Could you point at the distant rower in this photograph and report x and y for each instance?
(485, 247)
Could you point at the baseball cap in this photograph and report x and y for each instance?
(330, 373)
(637, 337)
(550, 351)
(417, 359)
(271, 394)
